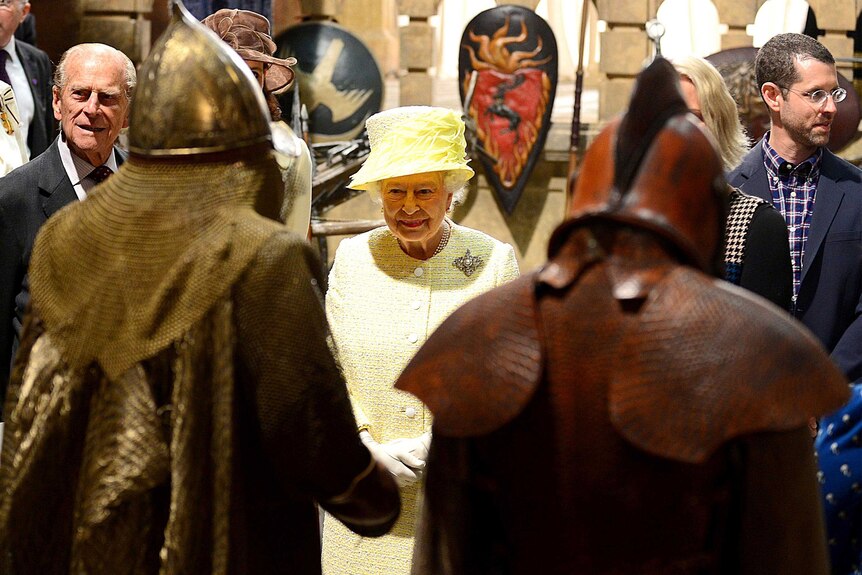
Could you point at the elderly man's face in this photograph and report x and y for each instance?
(93, 106)
(12, 13)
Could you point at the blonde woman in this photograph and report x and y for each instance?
(388, 290)
(756, 245)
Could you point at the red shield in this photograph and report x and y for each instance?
(514, 54)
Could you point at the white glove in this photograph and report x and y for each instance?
(404, 458)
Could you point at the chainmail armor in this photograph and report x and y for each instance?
(174, 452)
(132, 307)
(174, 403)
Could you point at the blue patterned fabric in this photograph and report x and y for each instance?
(200, 9)
(839, 451)
(793, 189)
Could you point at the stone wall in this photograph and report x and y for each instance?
(123, 24)
(624, 45)
(624, 49)
(132, 24)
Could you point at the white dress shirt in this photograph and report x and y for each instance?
(78, 169)
(21, 87)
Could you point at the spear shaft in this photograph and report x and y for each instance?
(576, 111)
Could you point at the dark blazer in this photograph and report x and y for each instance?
(37, 66)
(766, 267)
(26, 30)
(29, 195)
(830, 294)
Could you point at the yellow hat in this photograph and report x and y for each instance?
(413, 140)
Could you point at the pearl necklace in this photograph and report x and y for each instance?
(444, 240)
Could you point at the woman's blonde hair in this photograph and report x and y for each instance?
(718, 108)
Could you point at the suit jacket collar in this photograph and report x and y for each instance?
(54, 185)
(753, 174)
(753, 180)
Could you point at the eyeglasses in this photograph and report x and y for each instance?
(818, 97)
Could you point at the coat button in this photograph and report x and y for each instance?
(410, 412)
(418, 272)
(412, 338)
(417, 304)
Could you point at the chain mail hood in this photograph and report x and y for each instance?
(122, 274)
(195, 247)
(128, 418)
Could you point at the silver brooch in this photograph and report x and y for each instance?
(468, 263)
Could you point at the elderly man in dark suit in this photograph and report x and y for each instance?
(92, 91)
(791, 167)
(28, 70)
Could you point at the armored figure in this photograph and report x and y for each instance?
(176, 411)
(613, 411)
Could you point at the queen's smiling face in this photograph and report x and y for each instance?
(414, 208)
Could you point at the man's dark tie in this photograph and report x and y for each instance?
(4, 75)
(100, 174)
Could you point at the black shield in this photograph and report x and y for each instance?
(340, 83)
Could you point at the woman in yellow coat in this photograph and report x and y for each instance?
(388, 290)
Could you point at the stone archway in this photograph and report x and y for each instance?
(691, 28)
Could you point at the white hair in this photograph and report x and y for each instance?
(84, 50)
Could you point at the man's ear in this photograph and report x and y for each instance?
(24, 11)
(55, 103)
(771, 94)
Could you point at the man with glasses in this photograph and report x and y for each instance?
(28, 70)
(820, 196)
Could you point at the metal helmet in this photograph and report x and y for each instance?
(195, 95)
(655, 169)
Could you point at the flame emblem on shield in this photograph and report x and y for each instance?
(510, 99)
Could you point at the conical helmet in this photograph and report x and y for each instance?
(655, 169)
(195, 95)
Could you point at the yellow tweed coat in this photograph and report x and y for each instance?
(382, 305)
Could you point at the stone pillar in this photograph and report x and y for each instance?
(285, 13)
(837, 19)
(737, 14)
(122, 24)
(531, 4)
(417, 51)
(625, 47)
(319, 9)
(375, 22)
